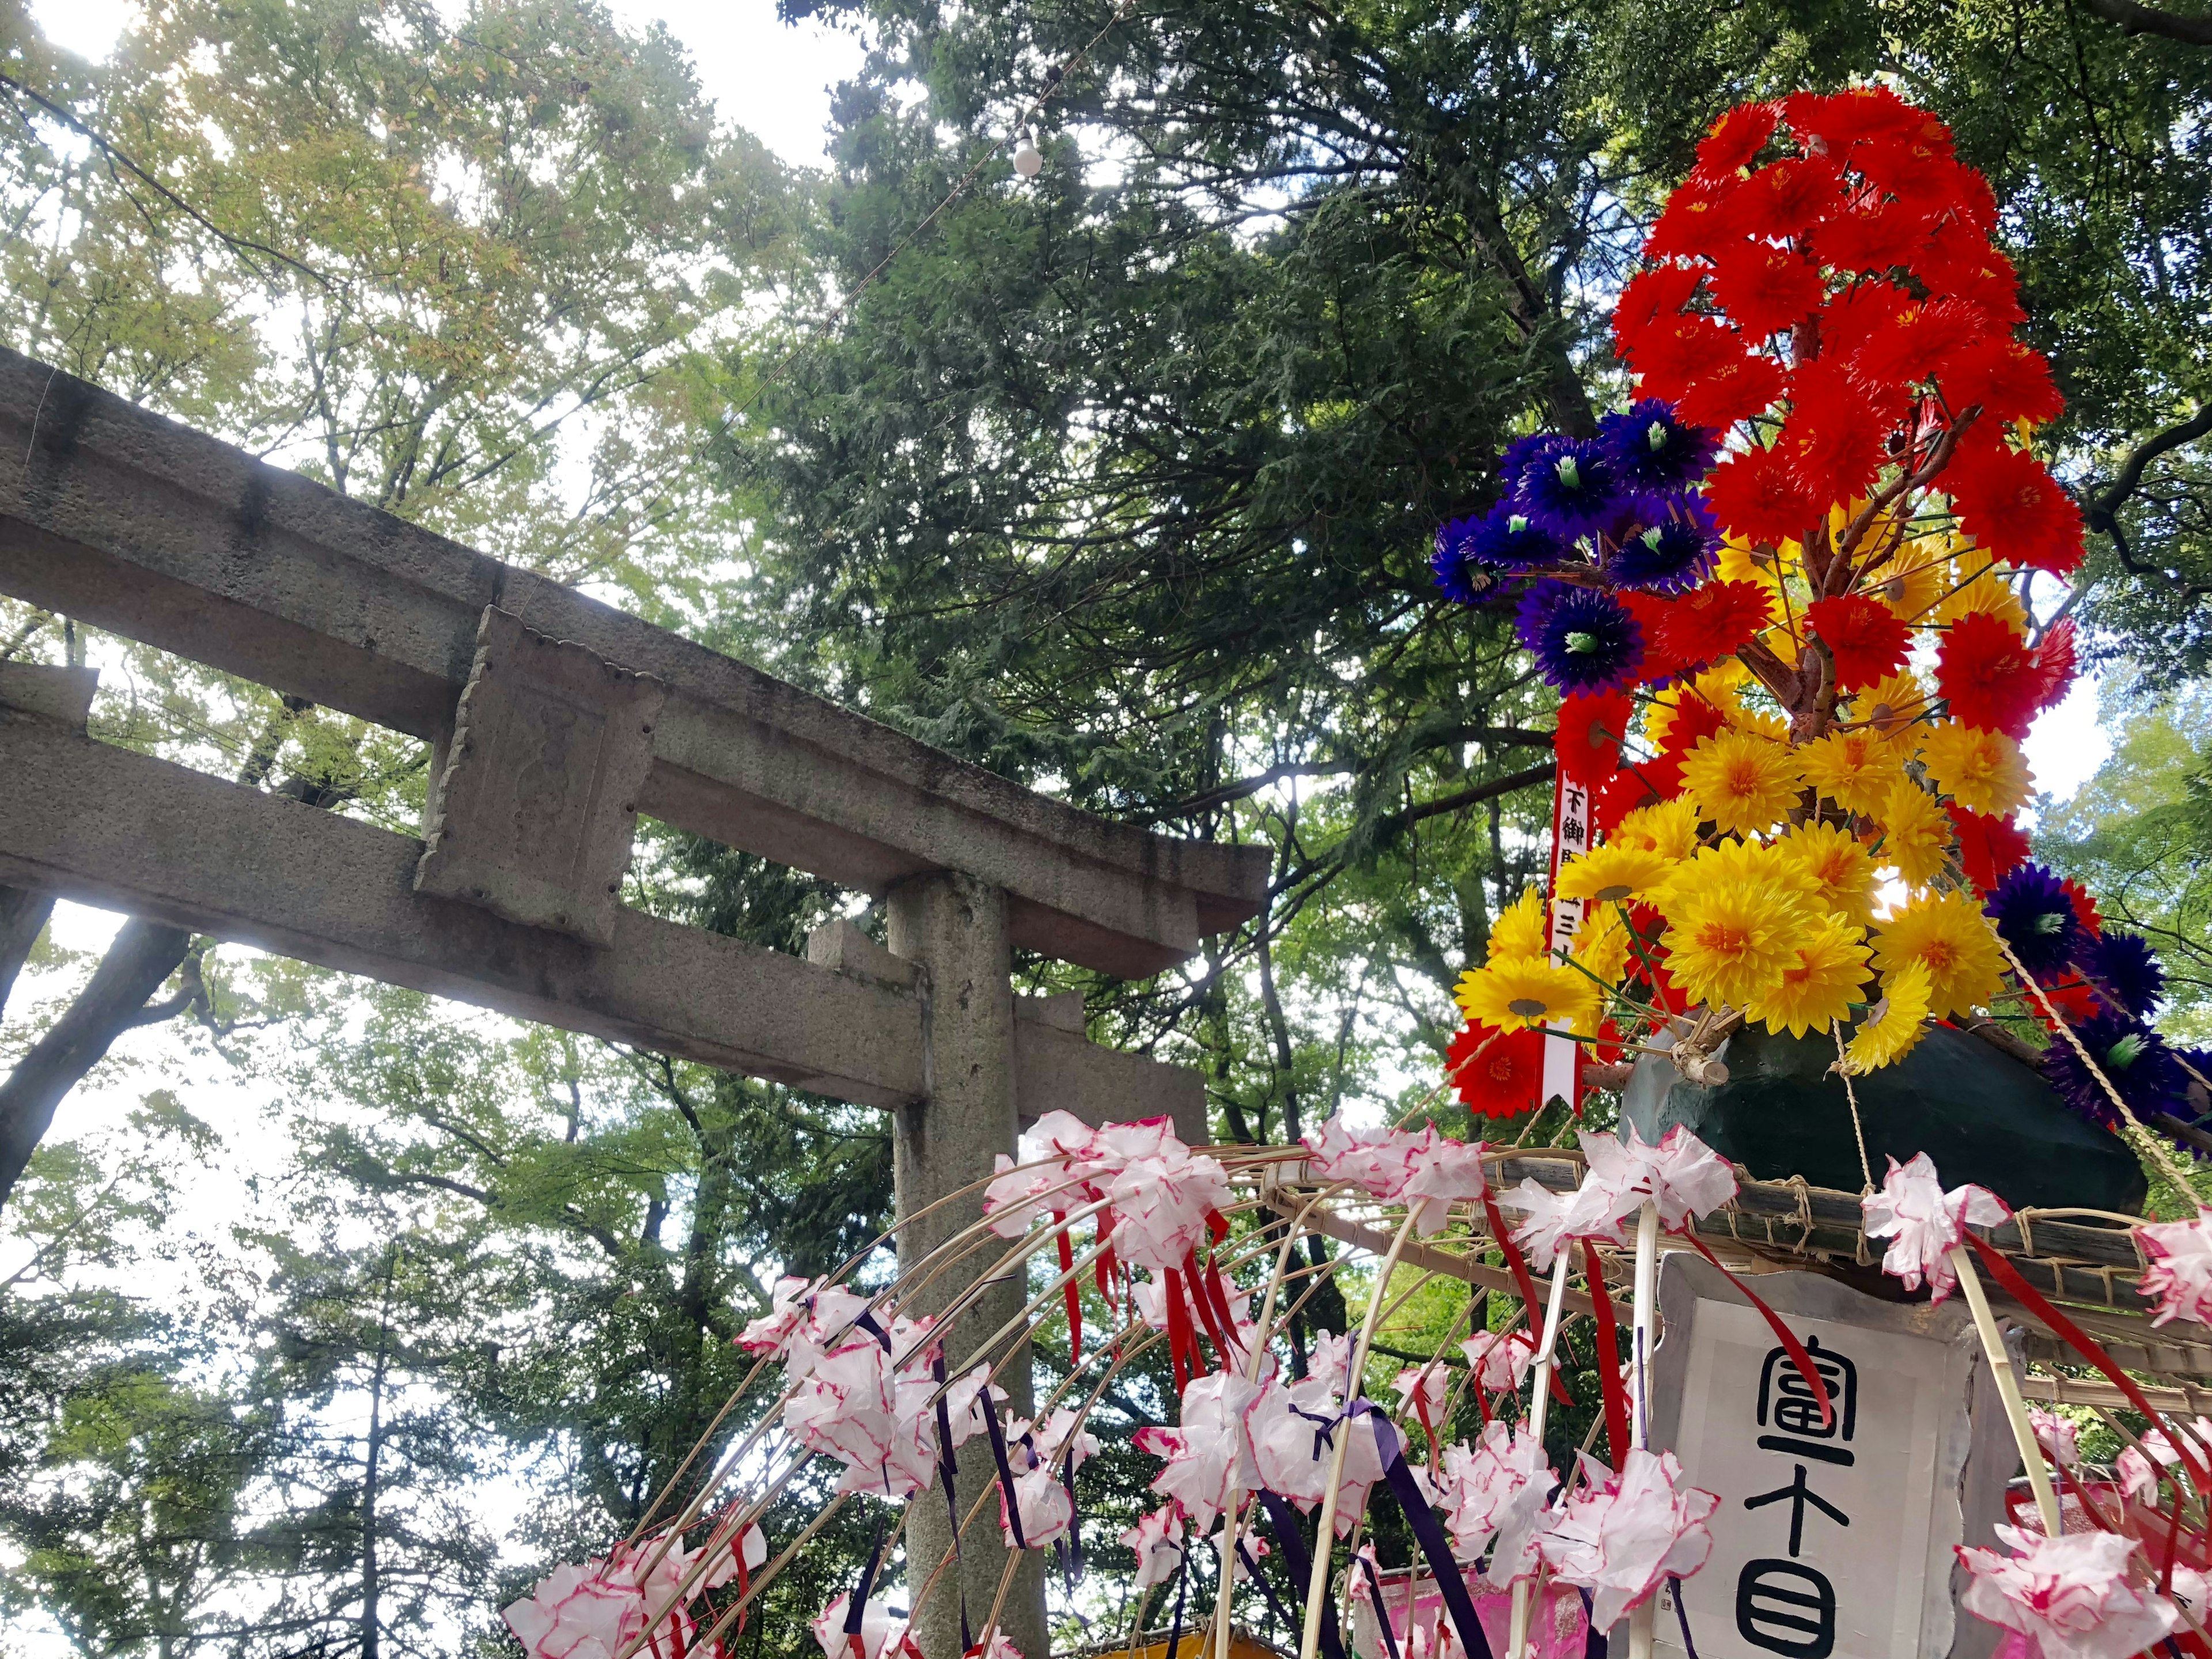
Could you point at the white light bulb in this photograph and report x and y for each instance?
(1028, 160)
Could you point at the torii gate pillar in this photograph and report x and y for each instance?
(954, 928)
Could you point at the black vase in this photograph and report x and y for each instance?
(1980, 1115)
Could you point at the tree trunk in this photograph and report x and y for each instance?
(22, 915)
(144, 954)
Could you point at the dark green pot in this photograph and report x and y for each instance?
(1983, 1116)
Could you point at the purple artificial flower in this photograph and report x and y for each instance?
(1674, 554)
(2035, 916)
(2137, 1059)
(2122, 971)
(1571, 486)
(1656, 452)
(1462, 576)
(1506, 538)
(1582, 640)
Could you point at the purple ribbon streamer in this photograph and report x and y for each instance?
(1428, 1532)
(1292, 1543)
(1381, 1612)
(1006, 1475)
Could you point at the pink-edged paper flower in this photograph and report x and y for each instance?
(882, 1635)
(2180, 1270)
(1426, 1390)
(1924, 1224)
(1157, 1540)
(1682, 1176)
(1443, 1172)
(1427, 1167)
(577, 1613)
(1056, 1437)
(1161, 1195)
(2055, 1434)
(1295, 1430)
(876, 1422)
(804, 1321)
(1555, 1220)
(2071, 1595)
(1161, 1206)
(1498, 1489)
(1362, 1559)
(2139, 1475)
(1209, 1450)
(1620, 1536)
(1499, 1359)
(1046, 1508)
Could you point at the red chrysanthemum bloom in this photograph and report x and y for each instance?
(1864, 636)
(1916, 168)
(1721, 393)
(1867, 242)
(1650, 299)
(2075, 1002)
(1764, 289)
(1500, 1080)
(1638, 784)
(1649, 610)
(1844, 119)
(1733, 141)
(1988, 674)
(1786, 198)
(1591, 729)
(1858, 313)
(1694, 721)
(1990, 848)
(1699, 217)
(1671, 352)
(1958, 262)
(1909, 348)
(2085, 905)
(2008, 381)
(1836, 437)
(1759, 495)
(2010, 504)
(2055, 664)
(1717, 619)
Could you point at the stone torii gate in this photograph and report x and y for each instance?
(554, 721)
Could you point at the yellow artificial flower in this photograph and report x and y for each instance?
(1818, 988)
(1893, 1025)
(1855, 769)
(1754, 863)
(1716, 686)
(1837, 868)
(1741, 781)
(1912, 579)
(1668, 828)
(1891, 708)
(1730, 940)
(1983, 771)
(1916, 832)
(1976, 584)
(1616, 870)
(1947, 933)
(1521, 929)
(1739, 562)
(1515, 995)
(1603, 943)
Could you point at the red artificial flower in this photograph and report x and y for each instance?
(1649, 610)
(1651, 298)
(1717, 619)
(1864, 636)
(2010, 504)
(1672, 351)
(1500, 1080)
(1858, 313)
(1605, 1051)
(1759, 495)
(1637, 784)
(1733, 141)
(1836, 437)
(1993, 678)
(1693, 721)
(1786, 198)
(1909, 348)
(1959, 263)
(2007, 380)
(2085, 905)
(1990, 848)
(1867, 242)
(1916, 168)
(1844, 119)
(1590, 732)
(1726, 390)
(2074, 1001)
(1699, 217)
(1764, 289)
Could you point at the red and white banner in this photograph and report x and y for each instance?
(1570, 835)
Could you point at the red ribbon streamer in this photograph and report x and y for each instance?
(1182, 1341)
(1791, 1345)
(1520, 1269)
(1072, 1292)
(1609, 1358)
(1194, 1284)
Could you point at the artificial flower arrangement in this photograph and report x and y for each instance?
(1784, 596)
(1779, 596)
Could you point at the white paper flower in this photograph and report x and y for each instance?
(1924, 1224)
(2180, 1270)
(1426, 1390)
(1500, 1358)
(882, 1636)
(1046, 1508)
(2071, 1595)
(1621, 1535)
(1498, 1489)
(2055, 1434)
(1157, 1540)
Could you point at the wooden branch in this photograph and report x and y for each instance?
(2134, 19)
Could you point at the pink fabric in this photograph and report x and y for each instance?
(1556, 1627)
(2180, 1270)
(1924, 1223)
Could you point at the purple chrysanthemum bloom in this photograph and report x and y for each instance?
(1674, 554)
(2137, 1059)
(1570, 488)
(1582, 640)
(1656, 452)
(1506, 538)
(1537, 446)
(1463, 578)
(2121, 969)
(2036, 917)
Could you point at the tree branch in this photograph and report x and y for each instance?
(2100, 513)
(2134, 19)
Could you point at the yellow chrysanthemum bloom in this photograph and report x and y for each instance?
(1521, 929)
(1603, 943)
(1513, 995)
(1912, 579)
(1739, 562)
(1855, 769)
(1716, 686)
(1916, 833)
(1666, 827)
(1976, 584)
(1616, 870)
(1837, 868)
(1731, 940)
(1754, 863)
(1947, 933)
(1983, 771)
(1818, 988)
(1742, 782)
(1893, 1025)
(1891, 708)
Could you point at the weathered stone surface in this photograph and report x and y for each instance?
(534, 812)
(162, 534)
(59, 694)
